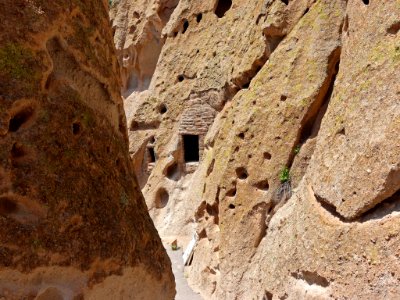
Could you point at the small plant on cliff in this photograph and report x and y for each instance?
(297, 149)
(284, 175)
(284, 191)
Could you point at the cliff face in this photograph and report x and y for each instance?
(208, 55)
(271, 127)
(137, 27)
(73, 222)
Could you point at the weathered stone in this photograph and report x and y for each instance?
(73, 222)
(190, 86)
(137, 26)
(295, 194)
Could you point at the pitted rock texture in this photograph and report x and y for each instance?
(295, 190)
(207, 57)
(137, 26)
(73, 222)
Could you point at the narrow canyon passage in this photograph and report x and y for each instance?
(183, 290)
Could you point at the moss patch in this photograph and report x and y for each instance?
(16, 62)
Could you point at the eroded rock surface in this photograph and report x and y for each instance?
(207, 57)
(137, 26)
(271, 127)
(73, 222)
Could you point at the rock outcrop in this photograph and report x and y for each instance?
(271, 127)
(73, 222)
(137, 27)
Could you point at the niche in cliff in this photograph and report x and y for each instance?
(162, 198)
(21, 118)
(141, 47)
(166, 9)
(222, 7)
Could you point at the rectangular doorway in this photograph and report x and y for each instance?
(191, 148)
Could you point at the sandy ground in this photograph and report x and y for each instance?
(183, 291)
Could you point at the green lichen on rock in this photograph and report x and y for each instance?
(16, 62)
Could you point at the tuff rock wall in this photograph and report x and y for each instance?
(73, 222)
(296, 192)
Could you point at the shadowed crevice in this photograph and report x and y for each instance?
(387, 207)
(312, 278)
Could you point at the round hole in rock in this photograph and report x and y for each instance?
(76, 128)
(199, 17)
(393, 30)
(185, 26)
(342, 131)
(231, 192)
(242, 173)
(267, 155)
(7, 206)
(202, 234)
(263, 185)
(152, 140)
(366, 2)
(241, 135)
(286, 2)
(173, 172)
(20, 118)
(162, 108)
(222, 7)
(283, 97)
(232, 206)
(181, 78)
(162, 198)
